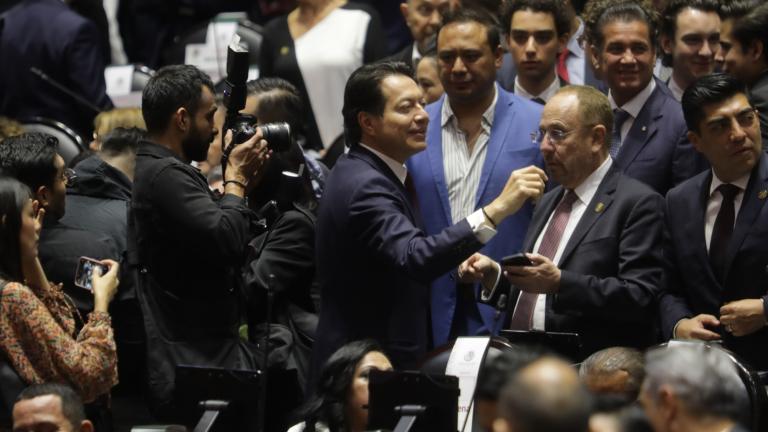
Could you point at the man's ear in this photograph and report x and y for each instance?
(404, 12)
(366, 122)
(757, 50)
(499, 56)
(43, 196)
(694, 138)
(666, 44)
(86, 426)
(181, 119)
(599, 138)
(501, 425)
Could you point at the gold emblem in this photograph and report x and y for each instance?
(284, 50)
(599, 207)
(763, 194)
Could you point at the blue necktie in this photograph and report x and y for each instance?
(619, 117)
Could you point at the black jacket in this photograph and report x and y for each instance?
(187, 244)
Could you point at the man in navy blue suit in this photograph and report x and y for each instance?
(479, 134)
(717, 225)
(649, 140)
(49, 36)
(374, 261)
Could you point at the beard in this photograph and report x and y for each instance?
(195, 145)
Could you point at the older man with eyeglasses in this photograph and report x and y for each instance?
(594, 241)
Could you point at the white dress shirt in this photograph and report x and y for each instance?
(576, 60)
(633, 107)
(677, 91)
(584, 193)
(546, 95)
(482, 230)
(715, 201)
(462, 168)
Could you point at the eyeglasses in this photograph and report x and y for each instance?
(555, 135)
(68, 176)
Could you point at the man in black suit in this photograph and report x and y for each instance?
(537, 34)
(717, 225)
(374, 261)
(745, 43)
(598, 263)
(649, 140)
(49, 36)
(423, 18)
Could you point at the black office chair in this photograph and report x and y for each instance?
(754, 385)
(70, 143)
(141, 76)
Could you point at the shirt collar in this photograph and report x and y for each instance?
(676, 90)
(397, 168)
(574, 47)
(546, 95)
(587, 189)
(741, 182)
(447, 113)
(415, 54)
(635, 104)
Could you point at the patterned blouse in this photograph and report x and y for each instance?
(37, 336)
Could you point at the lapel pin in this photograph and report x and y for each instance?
(763, 194)
(284, 50)
(599, 207)
(644, 129)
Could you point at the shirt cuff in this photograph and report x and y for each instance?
(482, 230)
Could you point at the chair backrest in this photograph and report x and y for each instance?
(141, 76)
(70, 143)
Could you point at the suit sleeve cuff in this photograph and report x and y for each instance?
(480, 228)
(765, 306)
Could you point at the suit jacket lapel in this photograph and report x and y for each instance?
(752, 204)
(379, 165)
(604, 195)
(643, 128)
(502, 118)
(435, 156)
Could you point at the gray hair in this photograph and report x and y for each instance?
(615, 359)
(704, 379)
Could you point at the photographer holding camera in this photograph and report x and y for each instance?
(185, 241)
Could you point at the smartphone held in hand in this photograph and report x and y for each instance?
(84, 272)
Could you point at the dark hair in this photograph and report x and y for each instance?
(279, 100)
(71, 404)
(330, 397)
(480, 16)
(122, 140)
(30, 158)
(669, 18)
(363, 94)
(604, 12)
(171, 88)
(753, 27)
(14, 195)
(552, 7)
(737, 8)
(497, 372)
(709, 89)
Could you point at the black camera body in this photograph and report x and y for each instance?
(243, 126)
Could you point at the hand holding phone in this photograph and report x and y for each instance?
(516, 260)
(84, 272)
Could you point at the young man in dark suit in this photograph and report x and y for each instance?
(594, 242)
(374, 261)
(650, 142)
(717, 225)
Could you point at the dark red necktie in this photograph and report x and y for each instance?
(562, 69)
(522, 317)
(721, 232)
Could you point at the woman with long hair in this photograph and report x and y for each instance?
(340, 402)
(37, 320)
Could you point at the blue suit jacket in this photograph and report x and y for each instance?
(509, 148)
(48, 35)
(374, 262)
(656, 150)
(692, 288)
